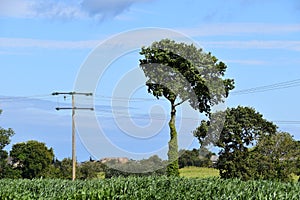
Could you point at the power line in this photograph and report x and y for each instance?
(143, 116)
(25, 98)
(30, 96)
(116, 98)
(275, 86)
(120, 114)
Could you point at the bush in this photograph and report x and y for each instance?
(147, 167)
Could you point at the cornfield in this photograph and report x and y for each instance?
(148, 188)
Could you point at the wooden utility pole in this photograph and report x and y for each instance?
(73, 140)
(73, 108)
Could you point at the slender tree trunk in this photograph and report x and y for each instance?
(173, 167)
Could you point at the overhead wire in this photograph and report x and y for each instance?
(137, 115)
(275, 86)
(117, 98)
(24, 98)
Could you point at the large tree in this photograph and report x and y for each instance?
(181, 72)
(243, 127)
(32, 158)
(275, 157)
(5, 135)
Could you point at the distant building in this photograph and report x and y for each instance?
(214, 159)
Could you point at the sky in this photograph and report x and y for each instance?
(45, 45)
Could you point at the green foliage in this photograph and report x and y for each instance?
(242, 128)
(277, 156)
(31, 158)
(193, 158)
(297, 172)
(146, 167)
(148, 188)
(65, 168)
(181, 72)
(90, 170)
(3, 163)
(5, 135)
(189, 158)
(196, 66)
(53, 171)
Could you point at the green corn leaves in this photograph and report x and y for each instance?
(148, 188)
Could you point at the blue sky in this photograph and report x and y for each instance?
(43, 45)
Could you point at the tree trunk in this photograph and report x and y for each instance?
(173, 167)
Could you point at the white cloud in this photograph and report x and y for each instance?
(208, 30)
(57, 9)
(61, 9)
(51, 44)
(103, 9)
(15, 8)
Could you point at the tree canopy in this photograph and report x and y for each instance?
(32, 158)
(5, 135)
(180, 72)
(195, 157)
(276, 157)
(242, 128)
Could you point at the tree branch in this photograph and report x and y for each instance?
(181, 102)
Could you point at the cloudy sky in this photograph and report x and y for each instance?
(44, 44)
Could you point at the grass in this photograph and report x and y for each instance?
(295, 177)
(202, 172)
(198, 172)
